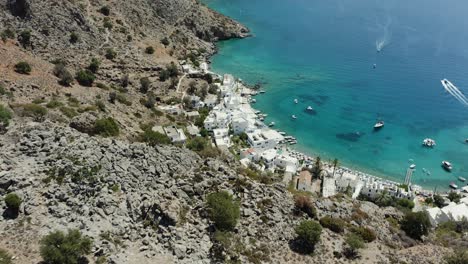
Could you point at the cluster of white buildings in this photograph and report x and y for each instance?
(451, 212)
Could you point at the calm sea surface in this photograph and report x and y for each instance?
(323, 52)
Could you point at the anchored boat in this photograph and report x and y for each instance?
(429, 142)
(447, 165)
(379, 125)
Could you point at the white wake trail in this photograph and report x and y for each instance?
(449, 89)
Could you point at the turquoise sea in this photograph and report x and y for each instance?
(323, 52)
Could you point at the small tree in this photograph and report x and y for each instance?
(223, 210)
(125, 81)
(60, 248)
(355, 243)
(106, 127)
(154, 138)
(335, 165)
(149, 50)
(454, 197)
(105, 10)
(165, 41)
(23, 67)
(439, 201)
(144, 85)
(25, 38)
(7, 34)
(110, 54)
(94, 65)
(35, 111)
(308, 235)
(85, 78)
(416, 224)
(74, 37)
(112, 97)
(304, 204)
(65, 77)
(365, 233)
(5, 116)
(334, 224)
(13, 202)
(317, 166)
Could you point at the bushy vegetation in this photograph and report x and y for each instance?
(154, 138)
(202, 146)
(438, 201)
(7, 34)
(149, 50)
(308, 235)
(5, 116)
(354, 243)
(106, 127)
(165, 41)
(13, 202)
(74, 37)
(367, 234)
(170, 72)
(223, 210)
(35, 111)
(54, 103)
(23, 67)
(105, 10)
(334, 224)
(304, 204)
(94, 65)
(60, 248)
(110, 54)
(416, 224)
(5, 258)
(25, 38)
(460, 256)
(85, 78)
(144, 85)
(68, 111)
(107, 23)
(454, 197)
(65, 77)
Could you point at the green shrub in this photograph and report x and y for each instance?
(149, 50)
(405, 203)
(35, 111)
(125, 81)
(13, 201)
(73, 102)
(85, 78)
(54, 103)
(460, 256)
(94, 65)
(367, 234)
(334, 224)
(102, 86)
(107, 23)
(68, 112)
(223, 210)
(5, 116)
(121, 98)
(7, 34)
(66, 78)
(165, 41)
(454, 197)
(416, 224)
(144, 85)
(354, 242)
(439, 201)
(25, 38)
(100, 105)
(23, 67)
(308, 235)
(74, 37)
(60, 248)
(197, 144)
(5, 258)
(110, 54)
(154, 138)
(105, 10)
(304, 204)
(163, 75)
(106, 127)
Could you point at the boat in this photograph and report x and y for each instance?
(461, 179)
(296, 101)
(374, 66)
(379, 125)
(466, 140)
(309, 108)
(253, 101)
(453, 185)
(294, 117)
(262, 91)
(271, 124)
(429, 142)
(282, 133)
(447, 165)
(412, 166)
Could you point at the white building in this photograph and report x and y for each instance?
(264, 139)
(216, 119)
(193, 130)
(348, 181)
(196, 102)
(192, 115)
(243, 125)
(211, 100)
(451, 212)
(268, 157)
(284, 161)
(176, 135)
(221, 136)
(172, 109)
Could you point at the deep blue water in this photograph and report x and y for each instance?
(322, 53)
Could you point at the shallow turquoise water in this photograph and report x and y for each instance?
(322, 53)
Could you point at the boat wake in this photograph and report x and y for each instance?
(454, 91)
(385, 39)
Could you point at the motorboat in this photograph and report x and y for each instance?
(296, 101)
(461, 179)
(447, 165)
(379, 125)
(253, 101)
(453, 185)
(282, 133)
(412, 166)
(271, 124)
(374, 66)
(466, 140)
(309, 108)
(294, 117)
(429, 142)
(262, 91)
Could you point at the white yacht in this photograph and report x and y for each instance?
(453, 185)
(309, 108)
(461, 179)
(412, 166)
(294, 117)
(271, 124)
(429, 142)
(379, 125)
(447, 165)
(296, 101)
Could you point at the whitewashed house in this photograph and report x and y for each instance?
(264, 139)
(176, 135)
(211, 100)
